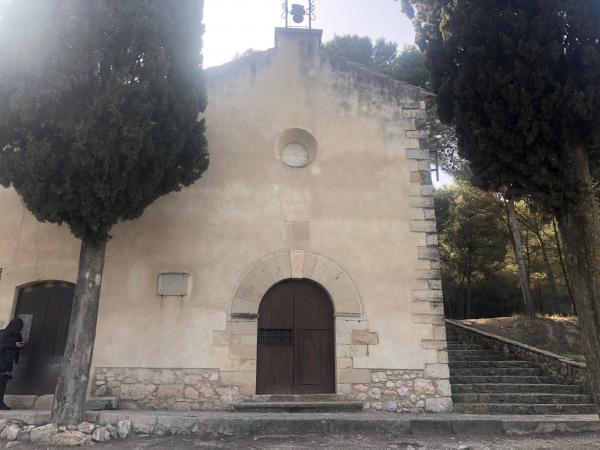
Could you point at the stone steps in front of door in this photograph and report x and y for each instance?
(297, 398)
(298, 406)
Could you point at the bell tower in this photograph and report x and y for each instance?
(298, 12)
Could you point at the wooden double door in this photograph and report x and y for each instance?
(296, 351)
(46, 310)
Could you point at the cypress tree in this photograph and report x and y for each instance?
(99, 116)
(520, 81)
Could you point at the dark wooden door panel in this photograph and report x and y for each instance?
(47, 306)
(316, 362)
(277, 308)
(275, 352)
(313, 307)
(309, 358)
(295, 352)
(275, 363)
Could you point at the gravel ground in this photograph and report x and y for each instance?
(589, 441)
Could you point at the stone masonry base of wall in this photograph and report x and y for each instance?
(166, 389)
(202, 389)
(403, 391)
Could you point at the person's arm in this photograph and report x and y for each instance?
(19, 344)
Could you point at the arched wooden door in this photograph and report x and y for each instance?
(296, 353)
(46, 310)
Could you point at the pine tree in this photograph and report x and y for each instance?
(99, 116)
(520, 81)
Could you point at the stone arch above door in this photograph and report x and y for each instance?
(296, 264)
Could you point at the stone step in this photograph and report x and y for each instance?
(461, 346)
(529, 398)
(491, 364)
(222, 424)
(495, 371)
(298, 407)
(521, 408)
(478, 379)
(44, 402)
(296, 398)
(470, 352)
(487, 357)
(518, 387)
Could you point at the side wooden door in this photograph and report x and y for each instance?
(46, 310)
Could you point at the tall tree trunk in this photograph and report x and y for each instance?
(514, 225)
(553, 303)
(579, 224)
(469, 313)
(537, 303)
(563, 267)
(69, 403)
(527, 258)
(461, 298)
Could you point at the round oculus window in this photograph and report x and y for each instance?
(295, 154)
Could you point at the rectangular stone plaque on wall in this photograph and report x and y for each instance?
(173, 284)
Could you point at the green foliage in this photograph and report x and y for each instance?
(383, 56)
(520, 80)
(443, 139)
(410, 66)
(474, 239)
(479, 270)
(99, 105)
(473, 242)
(355, 48)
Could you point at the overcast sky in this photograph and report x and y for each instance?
(233, 26)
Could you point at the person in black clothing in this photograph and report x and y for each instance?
(11, 343)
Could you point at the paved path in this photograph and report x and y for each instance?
(352, 442)
(238, 424)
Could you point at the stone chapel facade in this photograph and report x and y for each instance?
(304, 261)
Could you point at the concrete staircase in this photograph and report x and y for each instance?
(483, 383)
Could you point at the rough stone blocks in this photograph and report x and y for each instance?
(354, 376)
(413, 113)
(417, 134)
(437, 370)
(418, 154)
(422, 226)
(430, 253)
(363, 337)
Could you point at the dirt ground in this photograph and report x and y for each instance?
(590, 441)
